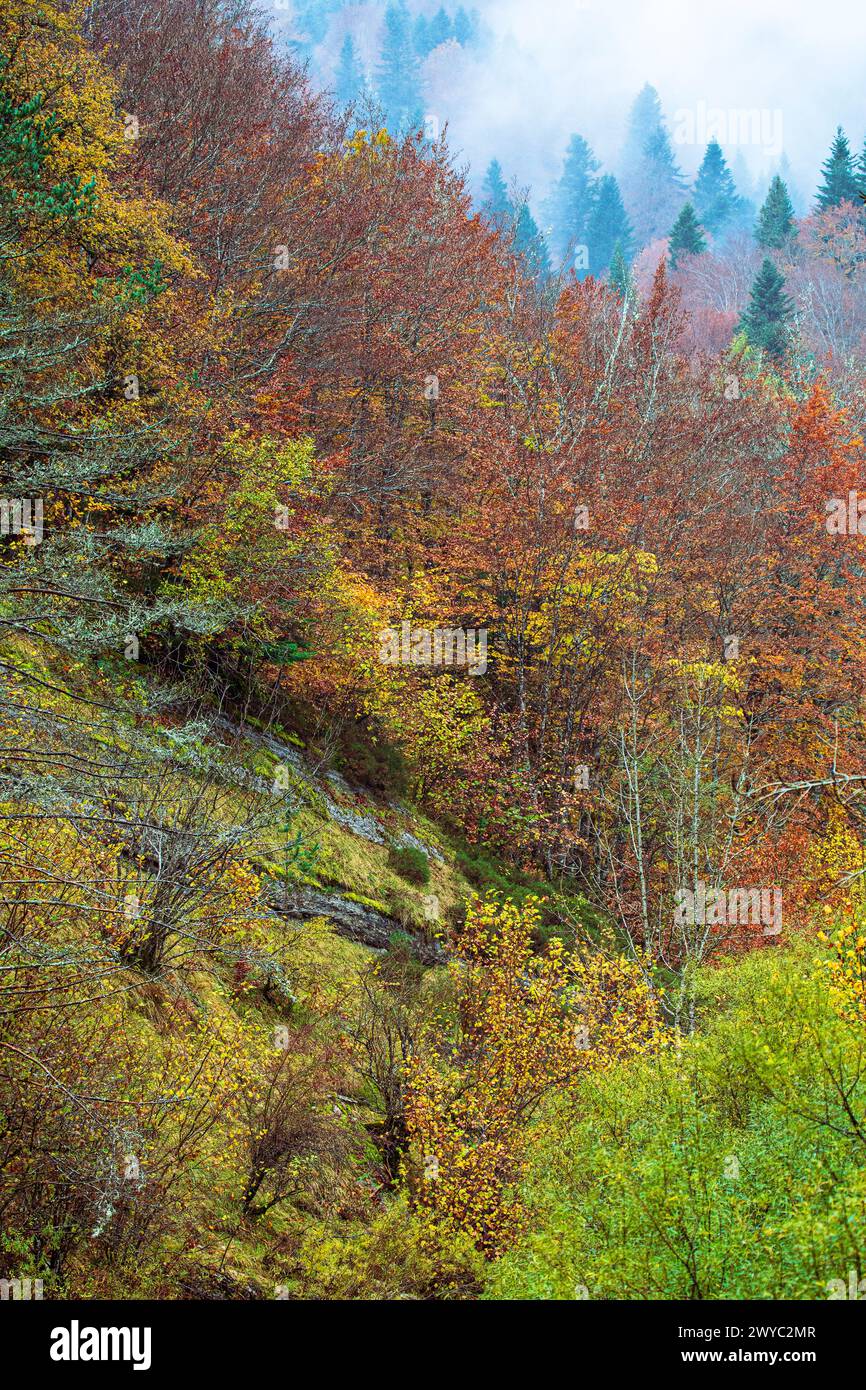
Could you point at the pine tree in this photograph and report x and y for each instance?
(349, 80)
(653, 188)
(398, 71)
(620, 277)
(861, 169)
(530, 244)
(495, 203)
(716, 201)
(776, 218)
(686, 238)
(608, 226)
(765, 320)
(840, 179)
(573, 197)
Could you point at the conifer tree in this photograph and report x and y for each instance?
(765, 321)
(573, 197)
(741, 174)
(786, 174)
(607, 226)
(421, 37)
(652, 185)
(716, 201)
(465, 26)
(530, 244)
(398, 71)
(645, 119)
(495, 203)
(312, 18)
(839, 175)
(687, 237)
(440, 28)
(349, 80)
(776, 218)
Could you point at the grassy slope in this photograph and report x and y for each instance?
(229, 1254)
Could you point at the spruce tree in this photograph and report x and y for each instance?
(716, 201)
(776, 218)
(660, 156)
(530, 244)
(495, 202)
(742, 177)
(312, 19)
(644, 120)
(398, 71)
(770, 308)
(465, 26)
(440, 28)
(786, 174)
(421, 37)
(573, 197)
(652, 185)
(349, 80)
(607, 226)
(839, 174)
(686, 238)
(861, 169)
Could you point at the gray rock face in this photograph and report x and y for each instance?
(365, 826)
(355, 921)
(360, 822)
(407, 840)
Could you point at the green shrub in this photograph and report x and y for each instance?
(734, 1168)
(376, 764)
(410, 863)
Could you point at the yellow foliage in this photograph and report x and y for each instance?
(527, 1023)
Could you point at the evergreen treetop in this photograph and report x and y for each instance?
(608, 226)
(530, 244)
(398, 70)
(765, 321)
(839, 175)
(349, 79)
(776, 218)
(495, 202)
(687, 237)
(716, 201)
(573, 196)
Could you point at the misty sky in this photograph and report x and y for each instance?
(564, 65)
(558, 66)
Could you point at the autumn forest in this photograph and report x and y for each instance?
(432, 688)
